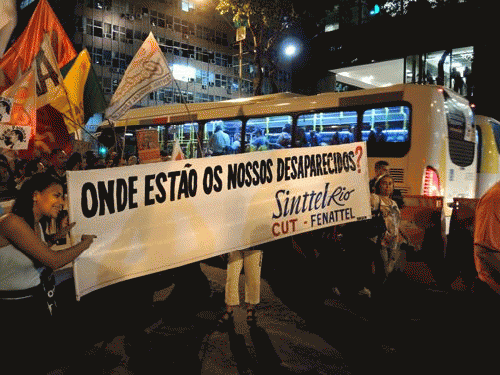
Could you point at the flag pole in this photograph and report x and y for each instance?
(124, 139)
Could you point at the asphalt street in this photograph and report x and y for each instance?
(411, 327)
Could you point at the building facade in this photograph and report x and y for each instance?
(199, 45)
(369, 43)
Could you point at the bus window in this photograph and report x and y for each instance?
(387, 131)
(222, 137)
(461, 142)
(327, 128)
(187, 134)
(495, 126)
(268, 133)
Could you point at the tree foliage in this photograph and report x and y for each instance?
(267, 21)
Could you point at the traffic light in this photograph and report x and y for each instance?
(374, 10)
(103, 151)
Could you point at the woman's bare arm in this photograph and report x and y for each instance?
(20, 234)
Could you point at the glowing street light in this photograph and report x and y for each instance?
(290, 47)
(290, 50)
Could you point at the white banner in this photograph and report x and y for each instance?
(154, 217)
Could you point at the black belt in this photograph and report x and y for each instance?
(22, 293)
(45, 291)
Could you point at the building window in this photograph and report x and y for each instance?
(153, 19)
(97, 56)
(199, 31)
(107, 30)
(129, 33)
(177, 48)
(115, 84)
(106, 57)
(177, 24)
(161, 20)
(94, 27)
(187, 5)
(106, 85)
(119, 33)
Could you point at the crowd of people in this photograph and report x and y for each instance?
(14, 171)
(26, 264)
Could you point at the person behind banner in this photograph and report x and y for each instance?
(381, 168)
(27, 287)
(90, 160)
(251, 260)
(132, 160)
(75, 162)
(391, 240)
(7, 181)
(57, 160)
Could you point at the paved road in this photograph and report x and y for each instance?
(410, 328)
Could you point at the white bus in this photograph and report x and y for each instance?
(425, 132)
(488, 166)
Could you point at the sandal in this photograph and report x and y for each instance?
(251, 316)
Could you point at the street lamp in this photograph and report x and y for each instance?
(290, 50)
(290, 47)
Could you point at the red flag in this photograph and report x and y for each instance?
(51, 131)
(20, 55)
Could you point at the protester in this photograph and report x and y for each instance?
(27, 288)
(251, 260)
(7, 181)
(74, 162)
(485, 304)
(20, 170)
(132, 160)
(381, 168)
(391, 240)
(57, 160)
(113, 159)
(90, 160)
(487, 240)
